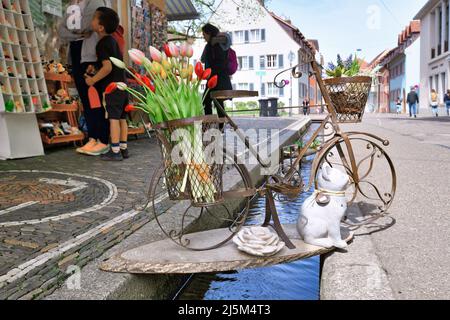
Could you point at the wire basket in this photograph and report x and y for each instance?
(349, 96)
(189, 174)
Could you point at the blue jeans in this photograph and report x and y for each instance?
(448, 110)
(412, 109)
(435, 111)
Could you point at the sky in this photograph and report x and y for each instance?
(343, 26)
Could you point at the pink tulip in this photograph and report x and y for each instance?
(183, 50)
(174, 50)
(190, 52)
(136, 56)
(155, 54)
(186, 50)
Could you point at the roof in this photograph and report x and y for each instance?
(405, 39)
(180, 10)
(315, 44)
(426, 9)
(377, 60)
(409, 31)
(363, 64)
(293, 32)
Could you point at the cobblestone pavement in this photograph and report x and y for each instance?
(72, 194)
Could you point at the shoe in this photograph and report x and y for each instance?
(91, 144)
(111, 156)
(125, 153)
(97, 150)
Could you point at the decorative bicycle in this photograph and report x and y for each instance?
(186, 184)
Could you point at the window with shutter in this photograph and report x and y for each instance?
(239, 36)
(247, 36)
(252, 87)
(281, 92)
(234, 86)
(262, 62)
(281, 61)
(251, 63)
(272, 61)
(244, 63)
(263, 90)
(263, 35)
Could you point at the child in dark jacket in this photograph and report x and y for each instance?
(105, 23)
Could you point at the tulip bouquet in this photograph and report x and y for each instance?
(171, 92)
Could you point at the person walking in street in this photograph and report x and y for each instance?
(215, 56)
(399, 105)
(447, 102)
(434, 103)
(306, 108)
(76, 30)
(413, 100)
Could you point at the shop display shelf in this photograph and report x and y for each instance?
(136, 131)
(62, 139)
(57, 77)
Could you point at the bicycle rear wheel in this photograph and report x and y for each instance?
(373, 178)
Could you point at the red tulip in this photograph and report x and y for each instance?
(111, 88)
(167, 51)
(212, 83)
(206, 74)
(199, 70)
(130, 108)
(146, 81)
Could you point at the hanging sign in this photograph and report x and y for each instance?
(53, 7)
(36, 12)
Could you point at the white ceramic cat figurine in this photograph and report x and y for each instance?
(319, 223)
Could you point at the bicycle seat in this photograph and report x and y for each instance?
(233, 94)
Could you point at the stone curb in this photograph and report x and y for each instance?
(356, 274)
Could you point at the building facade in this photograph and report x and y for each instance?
(434, 49)
(402, 64)
(265, 45)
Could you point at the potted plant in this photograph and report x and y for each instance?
(348, 88)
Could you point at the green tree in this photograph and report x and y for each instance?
(207, 8)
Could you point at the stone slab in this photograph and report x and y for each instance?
(166, 257)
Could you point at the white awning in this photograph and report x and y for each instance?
(180, 10)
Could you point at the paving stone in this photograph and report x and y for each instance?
(24, 244)
(32, 295)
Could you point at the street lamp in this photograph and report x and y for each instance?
(291, 58)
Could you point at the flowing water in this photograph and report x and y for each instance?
(293, 281)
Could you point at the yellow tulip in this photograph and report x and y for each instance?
(166, 65)
(163, 74)
(184, 73)
(156, 67)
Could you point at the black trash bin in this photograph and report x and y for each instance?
(263, 107)
(273, 107)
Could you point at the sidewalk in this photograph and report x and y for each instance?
(413, 254)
